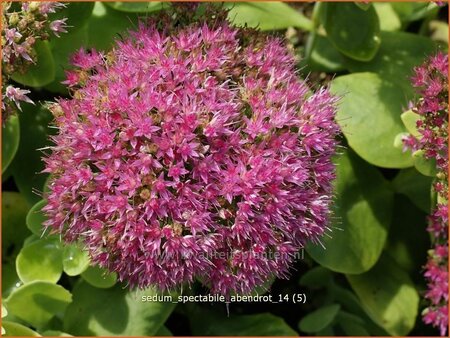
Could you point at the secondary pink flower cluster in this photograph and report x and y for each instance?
(431, 82)
(192, 151)
(20, 31)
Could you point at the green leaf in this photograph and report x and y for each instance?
(398, 140)
(163, 332)
(408, 242)
(27, 164)
(114, 312)
(389, 20)
(324, 56)
(346, 298)
(411, 11)
(363, 5)
(40, 73)
(210, 323)
(54, 333)
(351, 325)
(17, 330)
(439, 31)
(369, 115)
(10, 280)
(41, 260)
(31, 239)
(410, 119)
(37, 302)
(106, 24)
(10, 141)
(326, 332)
(388, 296)
(415, 186)
(6, 175)
(14, 230)
(424, 165)
(137, 7)
(99, 277)
(363, 210)
(316, 278)
(399, 53)
(353, 31)
(75, 260)
(267, 15)
(319, 319)
(36, 218)
(350, 303)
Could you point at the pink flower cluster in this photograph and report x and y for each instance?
(431, 82)
(192, 151)
(20, 31)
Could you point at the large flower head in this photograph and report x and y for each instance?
(191, 151)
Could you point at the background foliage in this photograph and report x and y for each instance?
(368, 279)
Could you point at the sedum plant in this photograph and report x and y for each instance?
(431, 140)
(363, 279)
(192, 150)
(21, 29)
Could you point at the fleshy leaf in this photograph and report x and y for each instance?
(75, 260)
(14, 230)
(411, 11)
(99, 277)
(415, 186)
(389, 20)
(369, 100)
(408, 241)
(41, 260)
(353, 31)
(399, 53)
(105, 25)
(410, 119)
(54, 333)
(27, 164)
(37, 302)
(113, 312)
(318, 320)
(17, 330)
(317, 277)
(424, 165)
(267, 15)
(324, 56)
(351, 303)
(10, 141)
(163, 332)
(352, 325)
(388, 296)
(363, 209)
(10, 280)
(210, 323)
(36, 218)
